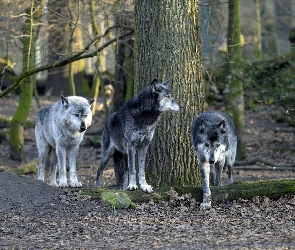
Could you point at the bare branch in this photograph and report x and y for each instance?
(65, 61)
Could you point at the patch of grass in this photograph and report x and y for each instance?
(29, 168)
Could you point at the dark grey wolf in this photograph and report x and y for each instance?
(214, 139)
(129, 131)
(59, 131)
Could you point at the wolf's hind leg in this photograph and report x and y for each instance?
(43, 155)
(53, 164)
(105, 157)
(230, 163)
(219, 169)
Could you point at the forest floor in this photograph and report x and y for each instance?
(34, 215)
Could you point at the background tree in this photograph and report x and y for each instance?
(234, 92)
(167, 46)
(17, 151)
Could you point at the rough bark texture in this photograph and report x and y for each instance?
(167, 46)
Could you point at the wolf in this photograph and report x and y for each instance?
(129, 131)
(59, 131)
(215, 142)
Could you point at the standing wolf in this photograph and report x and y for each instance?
(59, 131)
(130, 130)
(215, 142)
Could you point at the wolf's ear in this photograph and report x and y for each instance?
(64, 100)
(203, 126)
(165, 83)
(91, 101)
(155, 85)
(222, 126)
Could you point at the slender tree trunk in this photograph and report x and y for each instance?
(16, 138)
(97, 76)
(167, 46)
(258, 45)
(270, 39)
(234, 93)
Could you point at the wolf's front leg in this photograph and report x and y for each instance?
(205, 174)
(131, 167)
(61, 158)
(72, 155)
(141, 173)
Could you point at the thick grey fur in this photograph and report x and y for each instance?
(129, 131)
(59, 131)
(214, 139)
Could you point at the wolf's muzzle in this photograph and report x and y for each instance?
(82, 128)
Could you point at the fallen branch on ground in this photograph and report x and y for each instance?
(268, 163)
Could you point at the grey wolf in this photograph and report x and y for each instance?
(215, 142)
(59, 131)
(129, 131)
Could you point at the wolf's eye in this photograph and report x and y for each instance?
(77, 115)
(168, 96)
(85, 116)
(201, 131)
(207, 145)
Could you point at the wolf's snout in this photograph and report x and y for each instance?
(82, 127)
(211, 162)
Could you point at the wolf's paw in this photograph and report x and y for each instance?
(53, 184)
(205, 205)
(63, 184)
(132, 187)
(147, 188)
(76, 184)
(230, 181)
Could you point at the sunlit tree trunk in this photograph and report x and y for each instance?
(167, 46)
(16, 135)
(234, 93)
(269, 18)
(258, 45)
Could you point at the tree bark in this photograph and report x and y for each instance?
(167, 46)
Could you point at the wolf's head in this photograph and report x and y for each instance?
(213, 141)
(164, 98)
(77, 113)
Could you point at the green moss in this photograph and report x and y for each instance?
(93, 192)
(116, 200)
(29, 168)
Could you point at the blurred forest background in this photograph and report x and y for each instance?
(86, 47)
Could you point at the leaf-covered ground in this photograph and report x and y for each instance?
(34, 215)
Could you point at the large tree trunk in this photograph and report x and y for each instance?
(167, 46)
(16, 135)
(234, 93)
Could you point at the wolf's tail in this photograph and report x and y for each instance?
(121, 168)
